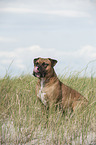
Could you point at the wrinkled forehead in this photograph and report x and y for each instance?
(42, 60)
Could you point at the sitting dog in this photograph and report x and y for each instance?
(50, 90)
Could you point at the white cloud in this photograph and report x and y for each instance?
(5, 61)
(7, 54)
(22, 57)
(68, 13)
(6, 39)
(86, 52)
(89, 52)
(20, 64)
(16, 10)
(63, 13)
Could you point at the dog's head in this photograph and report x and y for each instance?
(43, 67)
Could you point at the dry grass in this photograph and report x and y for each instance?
(23, 120)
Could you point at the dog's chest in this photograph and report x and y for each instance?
(41, 94)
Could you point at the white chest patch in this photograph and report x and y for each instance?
(41, 95)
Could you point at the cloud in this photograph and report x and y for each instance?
(63, 13)
(7, 39)
(17, 10)
(89, 52)
(7, 54)
(22, 57)
(68, 13)
(22, 54)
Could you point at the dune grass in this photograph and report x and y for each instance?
(23, 120)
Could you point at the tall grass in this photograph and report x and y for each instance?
(23, 120)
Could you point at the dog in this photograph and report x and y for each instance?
(51, 91)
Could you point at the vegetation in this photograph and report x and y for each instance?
(23, 120)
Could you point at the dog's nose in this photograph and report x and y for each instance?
(36, 69)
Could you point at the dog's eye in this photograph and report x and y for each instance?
(45, 64)
(36, 63)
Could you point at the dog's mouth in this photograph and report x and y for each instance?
(36, 74)
(39, 73)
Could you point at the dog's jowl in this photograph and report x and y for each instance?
(50, 90)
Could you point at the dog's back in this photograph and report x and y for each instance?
(72, 98)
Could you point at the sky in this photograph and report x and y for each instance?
(64, 30)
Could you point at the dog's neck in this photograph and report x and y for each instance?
(45, 81)
(42, 82)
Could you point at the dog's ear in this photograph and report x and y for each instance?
(34, 61)
(53, 62)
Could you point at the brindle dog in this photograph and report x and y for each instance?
(50, 90)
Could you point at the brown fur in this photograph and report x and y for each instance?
(55, 92)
